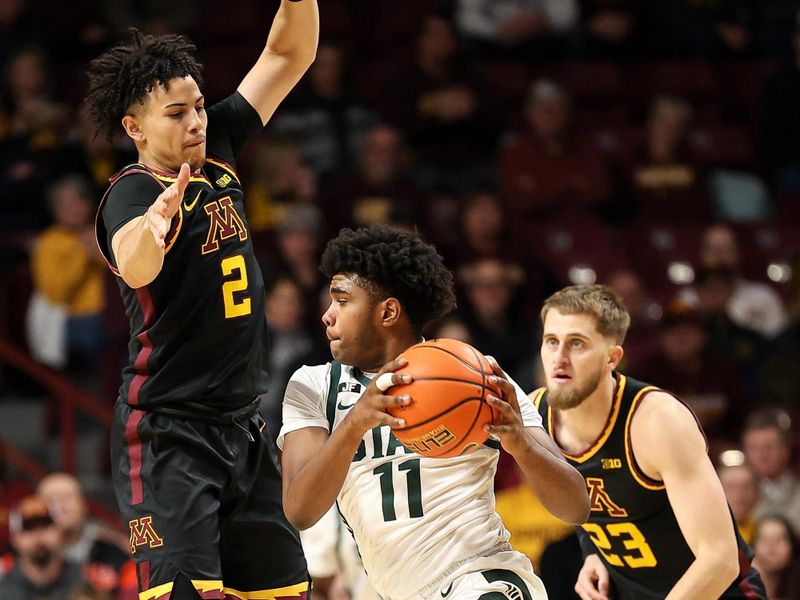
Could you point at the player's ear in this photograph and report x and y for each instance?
(132, 128)
(391, 309)
(615, 354)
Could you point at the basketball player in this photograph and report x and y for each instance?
(193, 475)
(425, 527)
(659, 524)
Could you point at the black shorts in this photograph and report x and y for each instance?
(203, 500)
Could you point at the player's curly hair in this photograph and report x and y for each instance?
(394, 262)
(125, 74)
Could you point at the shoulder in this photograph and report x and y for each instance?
(134, 181)
(309, 381)
(663, 429)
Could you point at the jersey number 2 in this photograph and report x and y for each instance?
(413, 484)
(233, 308)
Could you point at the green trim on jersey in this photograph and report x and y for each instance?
(333, 390)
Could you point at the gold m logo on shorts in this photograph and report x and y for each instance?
(143, 534)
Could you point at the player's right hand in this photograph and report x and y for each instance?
(159, 215)
(370, 410)
(592, 581)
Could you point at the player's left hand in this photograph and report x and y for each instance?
(510, 430)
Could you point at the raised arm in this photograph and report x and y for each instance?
(290, 50)
(668, 445)
(558, 485)
(139, 245)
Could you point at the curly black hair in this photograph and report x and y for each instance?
(397, 263)
(125, 74)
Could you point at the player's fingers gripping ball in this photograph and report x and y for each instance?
(448, 406)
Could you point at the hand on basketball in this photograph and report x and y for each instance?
(159, 215)
(592, 581)
(370, 410)
(510, 430)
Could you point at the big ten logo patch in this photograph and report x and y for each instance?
(144, 534)
(599, 500)
(223, 223)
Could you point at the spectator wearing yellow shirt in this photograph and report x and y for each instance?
(67, 270)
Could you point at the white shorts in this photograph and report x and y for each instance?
(505, 575)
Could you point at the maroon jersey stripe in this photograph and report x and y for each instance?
(134, 456)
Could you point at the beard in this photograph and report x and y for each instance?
(570, 398)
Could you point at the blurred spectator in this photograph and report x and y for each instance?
(709, 385)
(12, 490)
(93, 156)
(87, 592)
(454, 328)
(439, 107)
(151, 16)
(665, 182)
(532, 527)
(35, 115)
(546, 171)
(79, 533)
(291, 344)
(609, 27)
(111, 571)
(40, 572)
(297, 255)
(735, 343)
(279, 178)
(741, 490)
(751, 304)
(502, 28)
(780, 377)
(492, 316)
(16, 29)
(68, 273)
(767, 443)
(641, 339)
(777, 558)
(379, 186)
(323, 117)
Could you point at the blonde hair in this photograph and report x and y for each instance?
(599, 301)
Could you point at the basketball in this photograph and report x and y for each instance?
(448, 399)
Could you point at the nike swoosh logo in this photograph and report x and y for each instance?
(341, 406)
(446, 592)
(189, 207)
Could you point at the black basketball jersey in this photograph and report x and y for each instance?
(198, 331)
(631, 523)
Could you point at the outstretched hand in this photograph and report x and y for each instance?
(370, 409)
(510, 429)
(159, 215)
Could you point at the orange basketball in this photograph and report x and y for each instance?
(448, 398)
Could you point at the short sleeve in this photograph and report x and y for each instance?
(231, 124)
(530, 416)
(304, 400)
(128, 198)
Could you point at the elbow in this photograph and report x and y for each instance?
(728, 568)
(133, 278)
(298, 519)
(579, 510)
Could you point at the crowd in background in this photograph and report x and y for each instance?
(653, 146)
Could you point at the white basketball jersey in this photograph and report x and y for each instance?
(415, 519)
